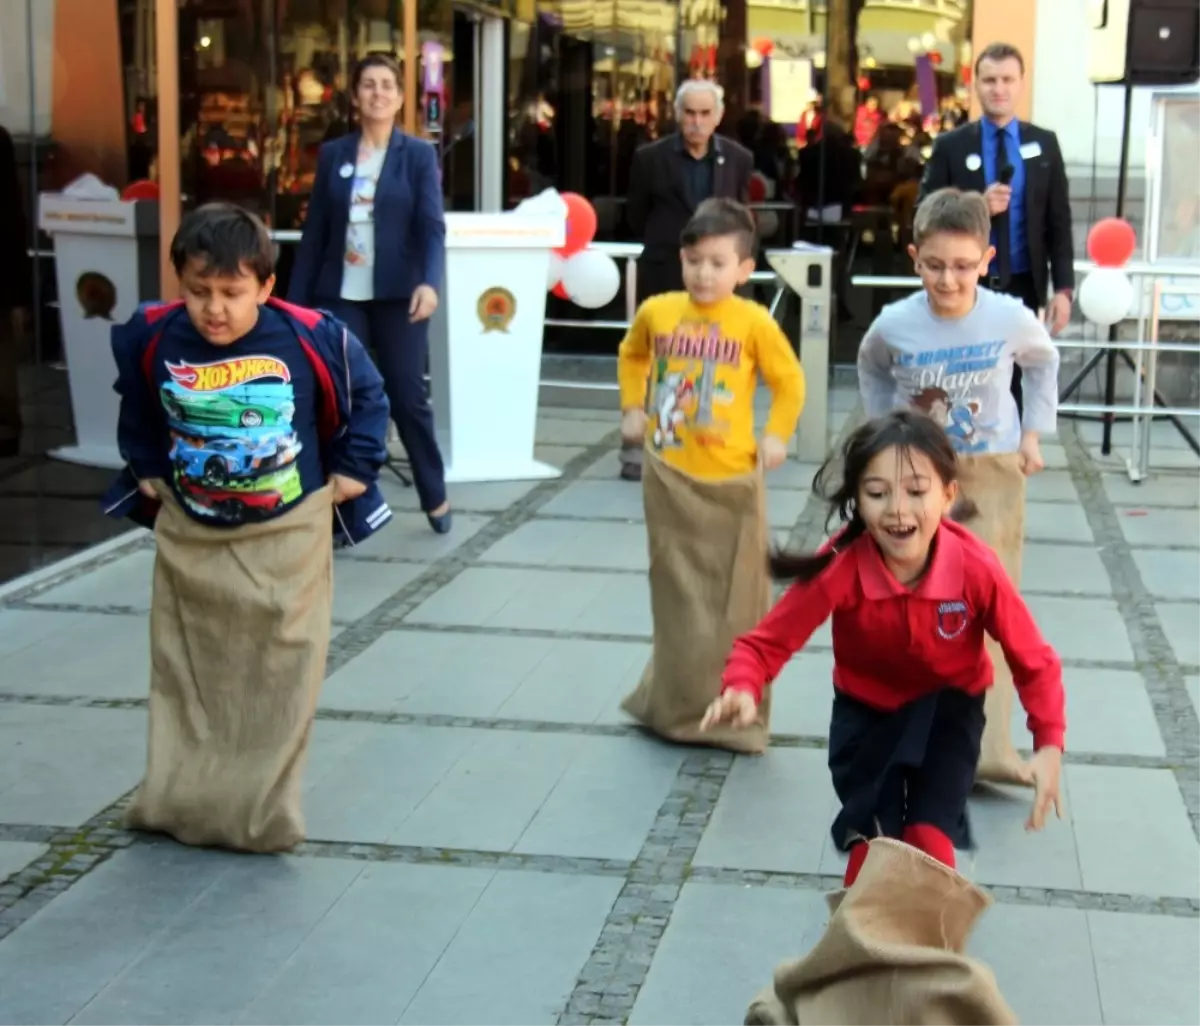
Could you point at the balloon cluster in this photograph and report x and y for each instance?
(1106, 294)
(586, 277)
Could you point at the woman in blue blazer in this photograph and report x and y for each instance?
(373, 252)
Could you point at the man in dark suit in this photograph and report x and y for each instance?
(667, 181)
(1019, 169)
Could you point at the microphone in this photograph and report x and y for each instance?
(1005, 175)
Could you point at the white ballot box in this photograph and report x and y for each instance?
(106, 262)
(806, 271)
(486, 344)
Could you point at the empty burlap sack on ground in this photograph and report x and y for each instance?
(708, 584)
(892, 954)
(239, 634)
(997, 487)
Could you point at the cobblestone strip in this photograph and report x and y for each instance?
(1160, 669)
(73, 852)
(1040, 897)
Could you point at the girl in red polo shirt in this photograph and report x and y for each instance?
(911, 594)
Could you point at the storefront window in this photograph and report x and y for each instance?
(587, 85)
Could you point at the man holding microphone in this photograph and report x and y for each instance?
(1020, 171)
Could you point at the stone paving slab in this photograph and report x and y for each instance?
(59, 766)
(408, 537)
(1063, 569)
(1051, 486)
(1170, 575)
(1169, 489)
(1056, 521)
(586, 602)
(447, 673)
(1108, 712)
(1082, 627)
(1153, 525)
(484, 790)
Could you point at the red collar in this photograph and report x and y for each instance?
(942, 581)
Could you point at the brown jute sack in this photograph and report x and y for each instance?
(239, 632)
(708, 584)
(892, 954)
(997, 487)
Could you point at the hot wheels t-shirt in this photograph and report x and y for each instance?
(241, 419)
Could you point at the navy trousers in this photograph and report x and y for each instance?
(401, 352)
(916, 764)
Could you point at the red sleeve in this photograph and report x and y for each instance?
(758, 656)
(1036, 668)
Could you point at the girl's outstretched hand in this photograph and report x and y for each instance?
(1046, 770)
(735, 707)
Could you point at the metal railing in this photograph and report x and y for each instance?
(1147, 404)
(630, 252)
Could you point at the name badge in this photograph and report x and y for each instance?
(1031, 150)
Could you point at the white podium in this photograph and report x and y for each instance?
(106, 262)
(485, 344)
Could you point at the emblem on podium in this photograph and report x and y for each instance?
(496, 309)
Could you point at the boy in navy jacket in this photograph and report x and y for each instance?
(250, 428)
(242, 404)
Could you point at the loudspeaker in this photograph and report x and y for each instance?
(1145, 42)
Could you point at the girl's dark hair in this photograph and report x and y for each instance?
(909, 430)
(375, 59)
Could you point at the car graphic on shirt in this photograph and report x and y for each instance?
(232, 507)
(217, 461)
(249, 406)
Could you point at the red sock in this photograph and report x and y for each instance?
(858, 855)
(931, 841)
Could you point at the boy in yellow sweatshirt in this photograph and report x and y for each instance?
(702, 352)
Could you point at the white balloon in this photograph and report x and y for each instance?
(555, 274)
(1106, 296)
(548, 201)
(591, 279)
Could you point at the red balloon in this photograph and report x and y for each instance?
(559, 291)
(757, 189)
(581, 224)
(143, 189)
(1111, 242)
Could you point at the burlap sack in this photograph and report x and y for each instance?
(708, 584)
(239, 632)
(891, 954)
(997, 487)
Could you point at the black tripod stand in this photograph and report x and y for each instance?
(1109, 356)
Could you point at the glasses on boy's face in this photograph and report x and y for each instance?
(937, 270)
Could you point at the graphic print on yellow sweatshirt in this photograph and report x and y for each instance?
(702, 364)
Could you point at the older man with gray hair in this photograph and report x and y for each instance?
(667, 181)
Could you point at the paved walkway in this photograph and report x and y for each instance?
(493, 844)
